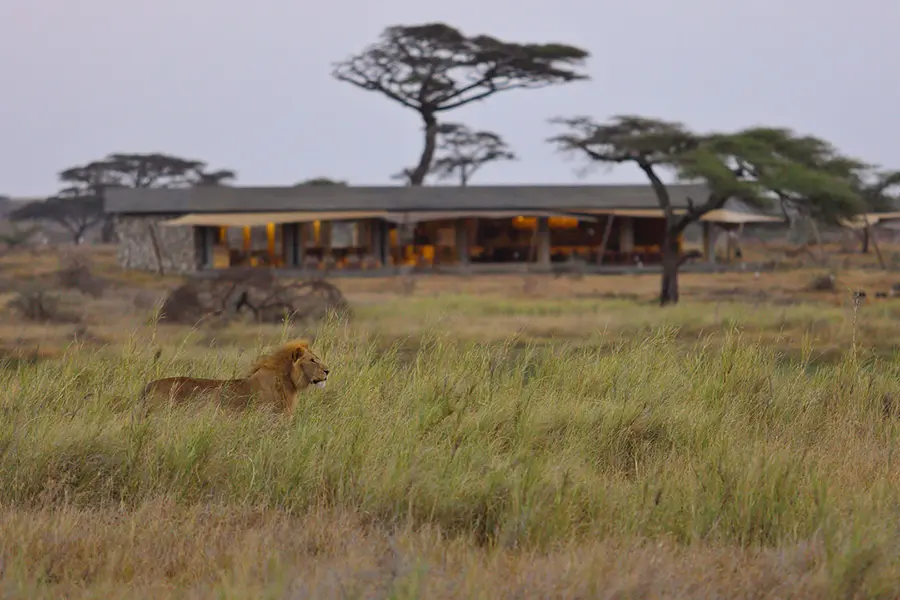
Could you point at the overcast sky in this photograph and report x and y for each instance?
(247, 85)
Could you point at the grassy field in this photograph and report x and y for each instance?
(479, 438)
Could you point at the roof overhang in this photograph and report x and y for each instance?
(244, 219)
(427, 215)
(225, 199)
(721, 215)
(868, 219)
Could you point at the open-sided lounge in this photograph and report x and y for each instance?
(349, 229)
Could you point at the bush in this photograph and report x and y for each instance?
(75, 273)
(41, 305)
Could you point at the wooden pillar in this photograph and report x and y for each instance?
(286, 235)
(626, 235)
(290, 241)
(303, 234)
(543, 241)
(381, 241)
(270, 240)
(709, 242)
(297, 251)
(325, 237)
(462, 241)
(385, 243)
(605, 241)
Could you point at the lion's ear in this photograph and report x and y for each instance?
(297, 354)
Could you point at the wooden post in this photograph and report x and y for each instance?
(874, 244)
(326, 243)
(709, 245)
(462, 241)
(303, 231)
(605, 241)
(286, 235)
(377, 241)
(543, 241)
(385, 248)
(627, 235)
(290, 234)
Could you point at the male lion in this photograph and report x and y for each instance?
(274, 380)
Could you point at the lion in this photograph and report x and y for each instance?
(274, 380)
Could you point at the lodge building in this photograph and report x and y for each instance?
(345, 229)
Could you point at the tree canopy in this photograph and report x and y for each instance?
(461, 152)
(320, 181)
(136, 170)
(75, 212)
(804, 173)
(142, 171)
(433, 67)
(757, 165)
(879, 189)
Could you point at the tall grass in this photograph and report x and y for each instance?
(508, 445)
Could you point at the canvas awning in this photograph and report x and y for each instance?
(251, 219)
(724, 215)
(860, 221)
(721, 215)
(641, 213)
(418, 216)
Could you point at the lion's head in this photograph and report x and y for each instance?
(296, 362)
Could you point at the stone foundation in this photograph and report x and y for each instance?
(178, 245)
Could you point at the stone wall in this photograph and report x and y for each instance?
(178, 246)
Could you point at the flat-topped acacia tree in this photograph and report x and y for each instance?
(134, 170)
(461, 152)
(321, 182)
(434, 68)
(756, 165)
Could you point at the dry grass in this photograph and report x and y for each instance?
(464, 469)
(478, 439)
(163, 550)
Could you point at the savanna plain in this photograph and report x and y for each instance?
(480, 437)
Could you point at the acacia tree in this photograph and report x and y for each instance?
(460, 152)
(137, 171)
(74, 212)
(754, 165)
(320, 181)
(433, 68)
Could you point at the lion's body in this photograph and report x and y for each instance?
(274, 380)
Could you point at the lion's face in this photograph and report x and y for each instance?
(307, 368)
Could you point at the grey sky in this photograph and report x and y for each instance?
(250, 88)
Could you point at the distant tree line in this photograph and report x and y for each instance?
(78, 205)
(433, 68)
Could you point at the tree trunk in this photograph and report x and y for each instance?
(865, 241)
(668, 293)
(108, 233)
(417, 177)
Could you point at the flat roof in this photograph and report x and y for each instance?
(220, 199)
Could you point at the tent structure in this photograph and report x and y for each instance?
(863, 220)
